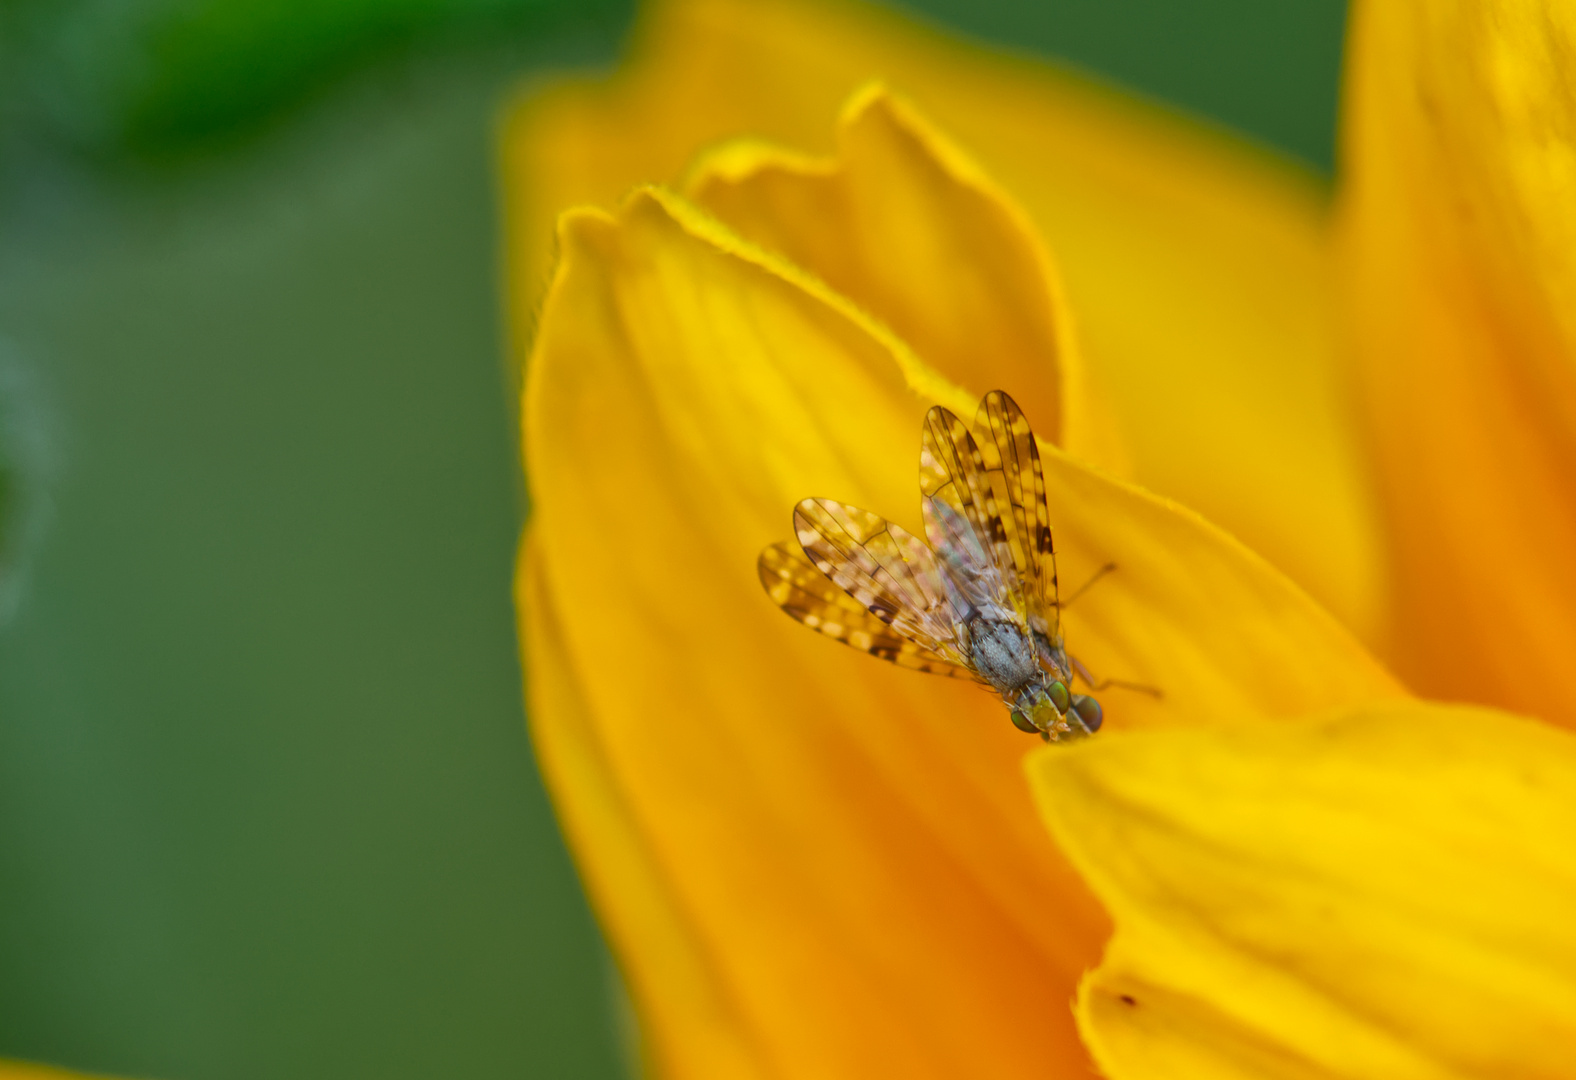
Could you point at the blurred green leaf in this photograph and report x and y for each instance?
(7, 511)
(214, 64)
(27, 461)
(159, 76)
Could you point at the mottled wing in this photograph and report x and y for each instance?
(952, 471)
(796, 586)
(890, 572)
(1011, 461)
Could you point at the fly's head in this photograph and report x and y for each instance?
(1047, 708)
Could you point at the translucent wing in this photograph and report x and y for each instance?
(796, 586)
(890, 572)
(968, 574)
(1011, 461)
(952, 472)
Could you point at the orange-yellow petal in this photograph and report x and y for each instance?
(26, 1070)
(824, 864)
(905, 225)
(1385, 892)
(1196, 266)
(1460, 235)
(691, 1022)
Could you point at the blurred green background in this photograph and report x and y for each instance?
(267, 808)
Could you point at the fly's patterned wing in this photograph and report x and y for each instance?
(968, 573)
(796, 586)
(991, 561)
(952, 471)
(1011, 461)
(887, 570)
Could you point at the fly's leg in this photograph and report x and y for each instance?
(1080, 590)
(1097, 685)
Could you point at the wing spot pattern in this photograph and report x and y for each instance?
(868, 583)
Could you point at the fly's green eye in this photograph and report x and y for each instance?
(1023, 723)
(1088, 710)
(1059, 697)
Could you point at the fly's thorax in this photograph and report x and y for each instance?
(1001, 651)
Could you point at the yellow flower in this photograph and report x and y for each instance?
(810, 863)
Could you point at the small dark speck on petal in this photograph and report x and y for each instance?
(1129, 999)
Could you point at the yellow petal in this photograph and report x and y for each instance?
(822, 864)
(690, 1021)
(1196, 266)
(905, 225)
(1460, 229)
(1386, 892)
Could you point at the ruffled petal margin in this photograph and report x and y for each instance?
(1196, 264)
(905, 225)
